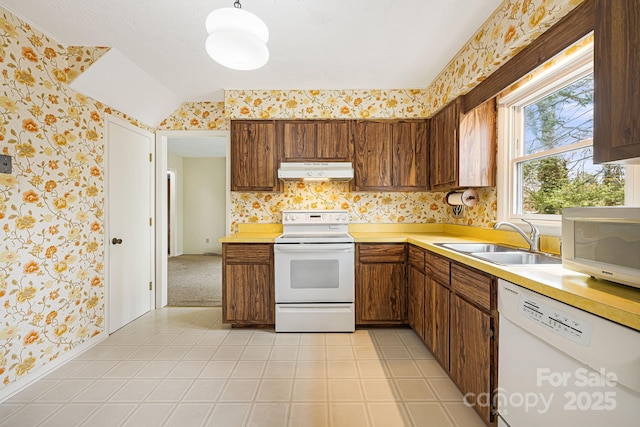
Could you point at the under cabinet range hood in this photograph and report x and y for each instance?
(316, 171)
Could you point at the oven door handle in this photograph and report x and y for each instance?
(313, 247)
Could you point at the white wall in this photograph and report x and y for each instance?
(175, 163)
(204, 204)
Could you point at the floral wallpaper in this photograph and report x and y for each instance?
(51, 206)
(197, 116)
(325, 104)
(79, 58)
(52, 288)
(512, 27)
(364, 208)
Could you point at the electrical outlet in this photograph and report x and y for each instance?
(5, 164)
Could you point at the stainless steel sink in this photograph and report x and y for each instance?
(500, 254)
(517, 258)
(476, 247)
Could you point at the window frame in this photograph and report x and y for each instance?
(534, 86)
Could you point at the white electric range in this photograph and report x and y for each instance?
(315, 272)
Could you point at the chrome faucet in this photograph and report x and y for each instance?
(534, 241)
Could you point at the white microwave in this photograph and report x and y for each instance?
(603, 242)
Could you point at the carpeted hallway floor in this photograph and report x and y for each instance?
(195, 281)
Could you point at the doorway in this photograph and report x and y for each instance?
(192, 167)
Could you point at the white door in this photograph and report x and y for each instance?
(129, 230)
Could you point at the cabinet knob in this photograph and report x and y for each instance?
(116, 241)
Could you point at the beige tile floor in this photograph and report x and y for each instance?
(183, 367)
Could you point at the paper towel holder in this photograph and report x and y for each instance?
(468, 197)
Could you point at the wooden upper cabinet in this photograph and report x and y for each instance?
(372, 155)
(410, 151)
(617, 82)
(333, 140)
(391, 155)
(444, 147)
(298, 140)
(463, 147)
(314, 140)
(254, 157)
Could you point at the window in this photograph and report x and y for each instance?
(546, 146)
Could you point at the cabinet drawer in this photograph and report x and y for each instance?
(438, 268)
(416, 257)
(247, 253)
(379, 253)
(472, 285)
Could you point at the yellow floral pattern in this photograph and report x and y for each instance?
(52, 206)
(363, 207)
(197, 116)
(79, 58)
(325, 104)
(512, 27)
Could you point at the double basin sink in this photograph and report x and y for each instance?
(500, 254)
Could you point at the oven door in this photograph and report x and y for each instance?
(314, 272)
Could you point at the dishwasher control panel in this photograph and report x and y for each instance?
(559, 322)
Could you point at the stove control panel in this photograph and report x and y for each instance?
(315, 217)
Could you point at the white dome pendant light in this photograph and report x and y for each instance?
(237, 38)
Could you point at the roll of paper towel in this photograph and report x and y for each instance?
(467, 197)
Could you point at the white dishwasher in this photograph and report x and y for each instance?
(561, 366)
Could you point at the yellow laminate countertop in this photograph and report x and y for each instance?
(618, 303)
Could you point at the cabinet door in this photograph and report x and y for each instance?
(332, 141)
(373, 142)
(380, 283)
(381, 292)
(410, 154)
(443, 151)
(248, 294)
(247, 284)
(617, 81)
(471, 352)
(436, 308)
(416, 303)
(477, 147)
(298, 140)
(253, 156)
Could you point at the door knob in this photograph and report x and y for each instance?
(116, 241)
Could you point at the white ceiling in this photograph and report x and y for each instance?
(314, 44)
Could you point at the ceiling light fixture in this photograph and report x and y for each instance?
(237, 38)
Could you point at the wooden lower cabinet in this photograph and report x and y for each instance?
(459, 323)
(416, 301)
(416, 279)
(380, 284)
(436, 335)
(248, 284)
(471, 353)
